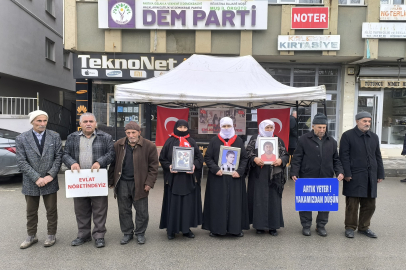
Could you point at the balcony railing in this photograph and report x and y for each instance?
(18, 105)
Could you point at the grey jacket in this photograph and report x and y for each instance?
(33, 165)
(102, 149)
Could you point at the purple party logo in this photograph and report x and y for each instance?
(121, 14)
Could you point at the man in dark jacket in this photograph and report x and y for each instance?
(403, 154)
(89, 149)
(292, 133)
(132, 175)
(363, 169)
(316, 156)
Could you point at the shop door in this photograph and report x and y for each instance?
(372, 102)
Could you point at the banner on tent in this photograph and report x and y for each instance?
(209, 120)
(281, 118)
(166, 119)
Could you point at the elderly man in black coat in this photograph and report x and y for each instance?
(316, 156)
(363, 169)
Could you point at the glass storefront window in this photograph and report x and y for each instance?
(393, 116)
(331, 107)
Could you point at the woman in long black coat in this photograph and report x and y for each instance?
(182, 203)
(225, 204)
(265, 184)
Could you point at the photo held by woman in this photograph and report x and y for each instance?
(225, 204)
(266, 183)
(182, 204)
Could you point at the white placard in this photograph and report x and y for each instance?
(393, 12)
(308, 43)
(86, 183)
(384, 30)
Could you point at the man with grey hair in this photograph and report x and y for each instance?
(39, 153)
(363, 169)
(89, 148)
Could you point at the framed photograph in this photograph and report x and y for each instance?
(182, 159)
(268, 149)
(229, 159)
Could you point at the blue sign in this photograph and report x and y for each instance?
(316, 194)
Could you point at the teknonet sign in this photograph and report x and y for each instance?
(310, 17)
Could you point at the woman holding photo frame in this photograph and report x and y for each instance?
(266, 179)
(225, 204)
(182, 202)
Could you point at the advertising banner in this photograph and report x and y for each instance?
(166, 119)
(86, 183)
(184, 14)
(384, 30)
(316, 194)
(308, 42)
(393, 12)
(281, 118)
(209, 120)
(310, 17)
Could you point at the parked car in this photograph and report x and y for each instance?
(8, 161)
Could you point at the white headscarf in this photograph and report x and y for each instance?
(36, 113)
(227, 133)
(262, 132)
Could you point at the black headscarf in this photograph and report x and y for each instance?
(179, 123)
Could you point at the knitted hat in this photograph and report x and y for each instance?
(132, 125)
(36, 113)
(363, 114)
(320, 119)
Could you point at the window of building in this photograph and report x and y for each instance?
(295, 1)
(49, 49)
(66, 59)
(49, 7)
(393, 2)
(351, 2)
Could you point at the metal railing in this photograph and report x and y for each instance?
(18, 105)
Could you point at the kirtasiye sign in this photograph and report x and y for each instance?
(184, 15)
(123, 66)
(308, 43)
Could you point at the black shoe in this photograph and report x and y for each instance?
(260, 231)
(99, 243)
(403, 180)
(126, 239)
(241, 234)
(368, 233)
(321, 231)
(141, 239)
(190, 234)
(80, 241)
(273, 232)
(171, 236)
(212, 234)
(349, 233)
(306, 232)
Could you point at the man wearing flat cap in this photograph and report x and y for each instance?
(316, 156)
(39, 153)
(363, 169)
(132, 175)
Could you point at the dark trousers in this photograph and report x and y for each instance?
(367, 209)
(306, 218)
(84, 209)
(50, 202)
(125, 201)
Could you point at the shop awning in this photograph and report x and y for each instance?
(208, 80)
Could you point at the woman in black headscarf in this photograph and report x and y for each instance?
(182, 203)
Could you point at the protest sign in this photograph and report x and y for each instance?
(86, 183)
(316, 194)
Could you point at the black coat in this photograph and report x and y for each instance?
(404, 147)
(354, 157)
(292, 133)
(307, 162)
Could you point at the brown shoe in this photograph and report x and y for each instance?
(50, 241)
(31, 239)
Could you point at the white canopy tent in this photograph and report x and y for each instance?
(205, 80)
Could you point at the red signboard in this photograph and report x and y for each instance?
(310, 17)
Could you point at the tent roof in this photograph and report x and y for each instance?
(206, 80)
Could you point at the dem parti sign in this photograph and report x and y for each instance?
(184, 15)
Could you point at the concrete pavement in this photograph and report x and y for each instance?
(289, 250)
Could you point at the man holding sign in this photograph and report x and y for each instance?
(89, 149)
(316, 156)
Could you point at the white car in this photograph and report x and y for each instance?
(8, 161)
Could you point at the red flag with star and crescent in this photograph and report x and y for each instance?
(281, 118)
(166, 119)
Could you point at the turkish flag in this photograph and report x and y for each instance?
(166, 119)
(281, 118)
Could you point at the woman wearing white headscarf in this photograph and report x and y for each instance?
(265, 183)
(225, 205)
